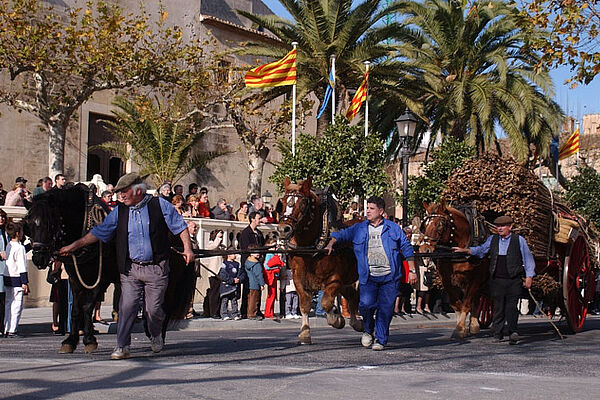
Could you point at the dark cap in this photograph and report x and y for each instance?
(20, 179)
(127, 180)
(503, 220)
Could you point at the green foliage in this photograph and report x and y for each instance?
(583, 194)
(429, 186)
(477, 74)
(162, 139)
(344, 160)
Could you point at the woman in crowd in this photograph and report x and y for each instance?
(180, 205)
(17, 196)
(242, 212)
(3, 243)
(164, 191)
(193, 202)
(203, 206)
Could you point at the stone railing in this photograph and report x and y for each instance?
(230, 229)
(40, 289)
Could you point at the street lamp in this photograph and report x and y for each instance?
(406, 124)
(267, 197)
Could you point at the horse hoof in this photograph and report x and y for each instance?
(458, 335)
(358, 325)
(339, 323)
(90, 348)
(474, 330)
(66, 349)
(304, 340)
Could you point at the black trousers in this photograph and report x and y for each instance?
(505, 295)
(212, 302)
(2, 303)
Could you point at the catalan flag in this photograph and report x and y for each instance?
(359, 97)
(570, 146)
(278, 73)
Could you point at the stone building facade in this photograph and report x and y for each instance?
(24, 143)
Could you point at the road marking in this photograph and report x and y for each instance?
(490, 389)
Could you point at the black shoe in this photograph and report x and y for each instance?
(513, 338)
(14, 336)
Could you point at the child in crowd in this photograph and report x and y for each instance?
(291, 296)
(230, 274)
(256, 281)
(273, 264)
(15, 279)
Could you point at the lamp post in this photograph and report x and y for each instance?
(406, 124)
(267, 197)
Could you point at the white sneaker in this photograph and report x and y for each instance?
(366, 340)
(289, 316)
(237, 318)
(377, 346)
(156, 344)
(226, 318)
(296, 316)
(120, 353)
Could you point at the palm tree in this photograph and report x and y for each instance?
(475, 73)
(330, 27)
(161, 139)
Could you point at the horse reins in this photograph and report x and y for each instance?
(94, 215)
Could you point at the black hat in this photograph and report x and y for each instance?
(20, 179)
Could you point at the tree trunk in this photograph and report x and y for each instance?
(323, 122)
(256, 165)
(56, 154)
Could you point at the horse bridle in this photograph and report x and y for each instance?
(448, 222)
(297, 197)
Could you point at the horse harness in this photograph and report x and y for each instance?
(309, 204)
(94, 215)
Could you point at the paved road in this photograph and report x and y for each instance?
(251, 360)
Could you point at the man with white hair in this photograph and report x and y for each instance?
(140, 226)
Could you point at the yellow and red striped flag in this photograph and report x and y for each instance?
(359, 97)
(278, 73)
(570, 146)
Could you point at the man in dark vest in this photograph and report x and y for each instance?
(140, 224)
(510, 261)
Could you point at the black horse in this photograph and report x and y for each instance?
(59, 217)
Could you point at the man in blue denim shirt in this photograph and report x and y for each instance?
(140, 226)
(379, 245)
(510, 260)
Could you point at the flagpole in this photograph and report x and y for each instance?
(333, 92)
(367, 63)
(577, 154)
(294, 109)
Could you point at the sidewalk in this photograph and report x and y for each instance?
(37, 320)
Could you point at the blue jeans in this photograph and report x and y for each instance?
(319, 309)
(378, 294)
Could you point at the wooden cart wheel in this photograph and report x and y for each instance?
(578, 284)
(485, 311)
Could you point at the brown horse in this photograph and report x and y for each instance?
(462, 280)
(304, 226)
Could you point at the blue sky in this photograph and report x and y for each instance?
(585, 99)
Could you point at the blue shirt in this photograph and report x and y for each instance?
(138, 228)
(482, 251)
(395, 245)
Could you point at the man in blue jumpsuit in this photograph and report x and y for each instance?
(379, 245)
